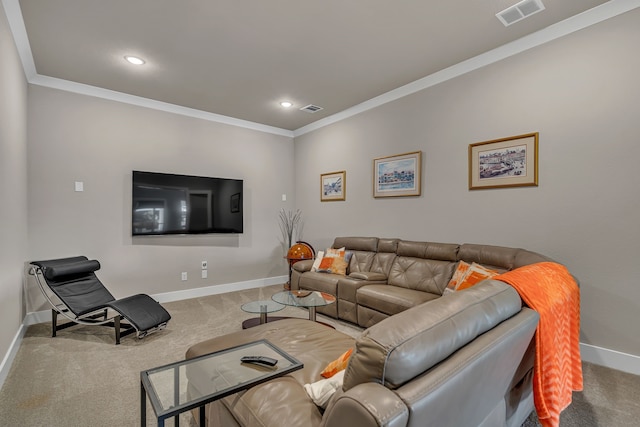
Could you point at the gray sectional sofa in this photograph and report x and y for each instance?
(463, 359)
(388, 276)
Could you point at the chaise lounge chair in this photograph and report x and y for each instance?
(85, 300)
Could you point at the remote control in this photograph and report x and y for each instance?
(259, 360)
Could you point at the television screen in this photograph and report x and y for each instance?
(183, 204)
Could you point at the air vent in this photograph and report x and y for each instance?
(519, 11)
(311, 108)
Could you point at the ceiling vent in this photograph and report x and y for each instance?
(519, 11)
(311, 108)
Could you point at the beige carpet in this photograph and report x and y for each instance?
(80, 378)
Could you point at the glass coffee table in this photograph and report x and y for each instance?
(213, 376)
(262, 308)
(307, 299)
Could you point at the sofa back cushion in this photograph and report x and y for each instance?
(499, 257)
(494, 257)
(423, 266)
(524, 257)
(428, 250)
(384, 258)
(419, 274)
(360, 261)
(405, 345)
(369, 244)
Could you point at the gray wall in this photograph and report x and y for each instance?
(13, 185)
(581, 94)
(99, 142)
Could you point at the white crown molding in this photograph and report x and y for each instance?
(578, 22)
(18, 29)
(16, 24)
(590, 17)
(126, 98)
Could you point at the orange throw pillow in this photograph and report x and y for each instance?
(458, 275)
(337, 365)
(476, 273)
(326, 263)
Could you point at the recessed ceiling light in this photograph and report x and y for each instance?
(134, 60)
(286, 104)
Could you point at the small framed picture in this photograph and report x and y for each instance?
(333, 186)
(506, 162)
(397, 176)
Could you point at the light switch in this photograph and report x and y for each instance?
(79, 186)
(284, 197)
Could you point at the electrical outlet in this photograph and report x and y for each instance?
(204, 265)
(184, 275)
(204, 274)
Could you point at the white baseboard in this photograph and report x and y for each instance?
(11, 354)
(610, 358)
(600, 356)
(45, 315)
(218, 289)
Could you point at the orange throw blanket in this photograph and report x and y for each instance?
(549, 289)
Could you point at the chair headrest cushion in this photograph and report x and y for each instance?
(71, 269)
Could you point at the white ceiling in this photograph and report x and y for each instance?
(240, 58)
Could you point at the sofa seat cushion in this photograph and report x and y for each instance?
(284, 398)
(348, 286)
(323, 282)
(391, 300)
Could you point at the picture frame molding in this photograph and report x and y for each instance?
(530, 165)
(326, 178)
(415, 191)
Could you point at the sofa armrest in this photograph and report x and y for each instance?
(302, 266)
(369, 404)
(369, 275)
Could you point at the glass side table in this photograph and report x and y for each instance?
(210, 377)
(262, 307)
(307, 299)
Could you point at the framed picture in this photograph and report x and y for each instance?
(333, 186)
(397, 176)
(235, 203)
(506, 162)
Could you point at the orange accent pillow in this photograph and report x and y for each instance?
(326, 263)
(335, 252)
(476, 273)
(458, 275)
(335, 261)
(337, 365)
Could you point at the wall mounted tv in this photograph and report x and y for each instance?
(183, 204)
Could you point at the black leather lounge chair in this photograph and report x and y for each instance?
(85, 300)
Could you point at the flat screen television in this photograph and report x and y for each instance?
(183, 204)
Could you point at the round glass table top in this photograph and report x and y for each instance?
(262, 306)
(302, 298)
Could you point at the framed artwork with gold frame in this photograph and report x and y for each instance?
(333, 186)
(397, 176)
(505, 162)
